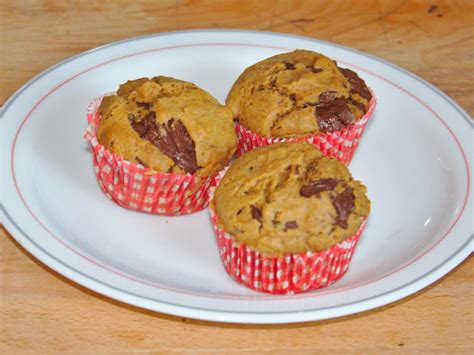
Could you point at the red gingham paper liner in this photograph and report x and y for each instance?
(142, 189)
(339, 144)
(289, 274)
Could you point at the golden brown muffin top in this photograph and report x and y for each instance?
(168, 125)
(297, 93)
(288, 198)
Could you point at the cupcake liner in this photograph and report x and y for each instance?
(340, 144)
(142, 189)
(289, 274)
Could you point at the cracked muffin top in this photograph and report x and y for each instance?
(167, 125)
(297, 93)
(288, 198)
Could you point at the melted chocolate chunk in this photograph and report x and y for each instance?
(333, 115)
(172, 139)
(292, 97)
(256, 213)
(357, 84)
(344, 203)
(291, 225)
(327, 96)
(318, 186)
(289, 66)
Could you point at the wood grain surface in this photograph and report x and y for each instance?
(41, 311)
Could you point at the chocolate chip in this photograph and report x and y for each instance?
(344, 203)
(172, 139)
(239, 211)
(432, 8)
(146, 105)
(333, 115)
(256, 213)
(357, 84)
(291, 225)
(292, 97)
(318, 186)
(315, 70)
(289, 66)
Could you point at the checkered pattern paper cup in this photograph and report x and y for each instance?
(340, 144)
(289, 274)
(142, 189)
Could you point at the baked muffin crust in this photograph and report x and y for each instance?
(288, 198)
(168, 125)
(297, 93)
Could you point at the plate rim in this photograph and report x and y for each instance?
(462, 250)
(22, 88)
(238, 316)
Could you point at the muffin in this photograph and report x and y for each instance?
(301, 96)
(167, 125)
(158, 144)
(287, 218)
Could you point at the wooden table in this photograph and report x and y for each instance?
(42, 311)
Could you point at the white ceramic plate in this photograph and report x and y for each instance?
(415, 158)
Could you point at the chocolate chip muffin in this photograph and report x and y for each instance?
(289, 198)
(167, 125)
(298, 93)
